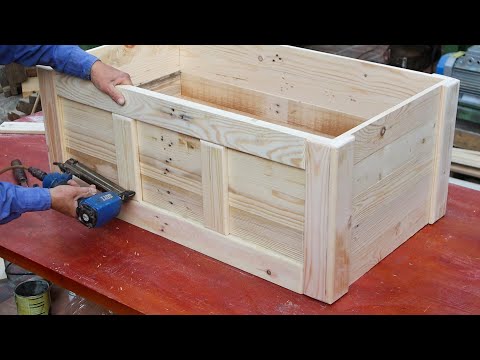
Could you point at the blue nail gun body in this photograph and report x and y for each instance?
(95, 210)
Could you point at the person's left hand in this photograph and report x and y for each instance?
(105, 77)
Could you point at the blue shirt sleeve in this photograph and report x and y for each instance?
(16, 200)
(67, 59)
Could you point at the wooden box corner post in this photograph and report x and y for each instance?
(445, 132)
(53, 115)
(328, 212)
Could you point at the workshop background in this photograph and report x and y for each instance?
(19, 99)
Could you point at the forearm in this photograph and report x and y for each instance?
(68, 59)
(16, 200)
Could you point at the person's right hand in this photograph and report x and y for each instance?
(105, 77)
(64, 197)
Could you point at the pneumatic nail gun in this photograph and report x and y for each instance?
(95, 210)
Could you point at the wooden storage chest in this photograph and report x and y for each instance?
(303, 168)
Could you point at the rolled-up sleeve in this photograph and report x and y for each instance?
(67, 59)
(16, 200)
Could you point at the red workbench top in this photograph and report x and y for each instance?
(130, 270)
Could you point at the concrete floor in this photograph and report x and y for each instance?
(63, 302)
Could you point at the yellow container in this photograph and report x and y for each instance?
(33, 297)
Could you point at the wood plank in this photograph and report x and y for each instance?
(467, 139)
(376, 234)
(53, 116)
(340, 219)
(264, 106)
(30, 86)
(13, 127)
(24, 106)
(269, 196)
(168, 85)
(15, 115)
(143, 63)
(105, 168)
(385, 128)
(175, 199)
(351, 86)
(391, 186)
(267, 203)
(89, 131)
(15, 75)
(391, 210)
(290, 126)
(443, 147)
(216, 213)
(128, 159)
(316, 234)
(262, 231)
(252, 258)
(170, 157)
(33, 98)
(171, 168)
(466, 157)
(416, 143)
(386, 214)
(31, 71)
(260, 138)
(328, 220)
(267, 189)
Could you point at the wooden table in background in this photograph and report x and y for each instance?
(130, 270)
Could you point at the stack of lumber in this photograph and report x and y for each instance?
(24, 81)
(466, 162)
(26, 107)
(11, 78)
(467, 135)
(466, 151)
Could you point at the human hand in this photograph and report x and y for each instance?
(64, 197)
(105, 77)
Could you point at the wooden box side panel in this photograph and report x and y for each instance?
(129, 144)
(89, 137)
(263, 106)
(233, 131)
(392, 179)
(265, 199)
(249, 210)
(267, 203)
(350, 86)
(171, 170)
(171, 164)
(144, 63)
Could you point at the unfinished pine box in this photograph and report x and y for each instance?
(303, 168)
